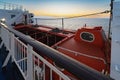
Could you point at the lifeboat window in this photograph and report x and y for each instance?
(87, 36)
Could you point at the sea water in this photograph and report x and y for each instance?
(75, 23)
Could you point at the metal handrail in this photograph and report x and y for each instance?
(25, 59)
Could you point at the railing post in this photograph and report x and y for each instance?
(12, 47)
(29, 63)
(0, 30)
(5, 6)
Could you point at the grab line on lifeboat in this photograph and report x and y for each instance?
(78, 53)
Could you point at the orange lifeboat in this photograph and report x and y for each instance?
(87, 45)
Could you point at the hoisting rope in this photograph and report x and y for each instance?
(106, 11)
(103, 12)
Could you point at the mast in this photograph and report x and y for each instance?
(111, 5)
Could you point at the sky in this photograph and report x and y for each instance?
(64, 8)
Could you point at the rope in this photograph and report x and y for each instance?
(106, 11)
(78, 53)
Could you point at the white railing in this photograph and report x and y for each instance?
(10, 6)
(31, 65)
(40, 69)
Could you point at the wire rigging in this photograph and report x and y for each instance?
(104, 12)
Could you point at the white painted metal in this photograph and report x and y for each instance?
(1, 44)
(5, 35)
(6, 60)
(10, 6)
(115, 51)
(29, 63)
(54, 69)
(25, 58)
(20, 55)
(13, 14)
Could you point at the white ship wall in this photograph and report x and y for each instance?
(8, 13)
(115, 46)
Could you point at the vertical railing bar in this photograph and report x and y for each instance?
(17, 49)
(50, 74)
(23, 57)
(19, 52)
(29, 62)
(26, 67)
(38, 66)
(20, 55)
(23, 65)
(44, 70)
(23, 51)
(34, 67)
(60, 78)
(9, 6)
(25, 60)
(5, 6)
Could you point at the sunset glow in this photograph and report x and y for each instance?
(65, 8)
